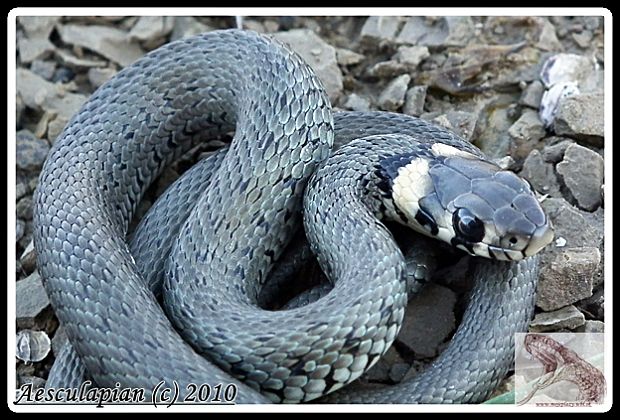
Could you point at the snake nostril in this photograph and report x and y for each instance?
(513, 240)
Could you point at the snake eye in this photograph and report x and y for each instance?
(468, 226)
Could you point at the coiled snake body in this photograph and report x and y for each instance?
(229, 218)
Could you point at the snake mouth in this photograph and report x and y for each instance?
(505, 254)
(540, 239)
(493, 252)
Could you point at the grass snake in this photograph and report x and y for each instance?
(210, 241)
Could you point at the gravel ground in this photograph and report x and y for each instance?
(527, 90)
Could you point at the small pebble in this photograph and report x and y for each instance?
(568, 317)
(30, 151)
(31, 300)
(20, 226)
(23, 209)
(356, 102)
(45, 69)
(63, 75)
(393, 96)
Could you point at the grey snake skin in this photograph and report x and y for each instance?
(227, 220)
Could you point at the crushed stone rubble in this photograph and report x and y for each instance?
(527, 90)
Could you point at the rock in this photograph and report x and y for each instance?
(412, 56)
(461, 122)
(583, 172)
(28, 259)
(554, 151)
(149, 28)
(98, 77)
(493, 124)
(319, 55)
(122, 21)
(592, 23)
(414, 101)
(567, 278)
(537, 31)
(41, 128)
(286, 22)
(254, 25)
(27, 238)
(21, 189)
(41, 26)
(380, 372)
(25, 369)
(468, 71)
(347, 57)
(109, 42)
(378, 29)
(566, 318)
(519, 64)
(417, 367)
(152, 31)
(532, 95)
(565, 75)
(72, 61)
(186, 26)
(20, 226)
(583, 39)
(592, 327)
(30, 152)
(429, 319)
(594, 306)
(45, 69)
(36, 381)
(398, 371)
(33, 182)
(30, 302)
(41, 95)
(19, 109)
(525, 133)
(271, 26)
(599, 276)
(23, 209)
(393, 96)
(540, 174)
(547, 40)
(506, 163)
(593, 83)
(387, 69)
(356, 102)
(582, 117)
(578, 228)
(19, 271)
(446, 31)
(55, 127)
(32, 49)
(32, 346)
(63, 75)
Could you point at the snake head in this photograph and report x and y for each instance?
(470, 203)
(545, 349)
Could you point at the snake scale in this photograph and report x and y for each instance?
(210, 241)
